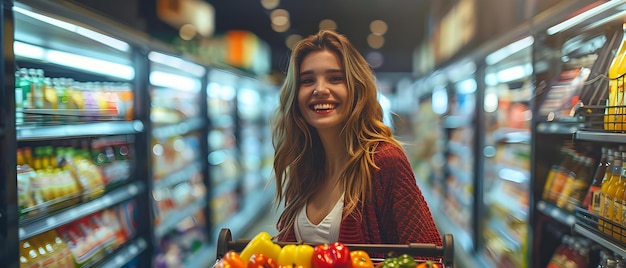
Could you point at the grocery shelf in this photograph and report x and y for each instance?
(224, 187)
(31, 229)
(202, 258)
(457, 121)
(253, 207)
(556, 213)
(600, 136)
(173, 219)
(512, 135)
(617, 249)
(126, 254)
(179, 176)
(562, 128)
(29, 133)
(168, 131)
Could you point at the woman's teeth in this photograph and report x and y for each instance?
(323, 106)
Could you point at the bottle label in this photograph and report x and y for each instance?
(596, 197)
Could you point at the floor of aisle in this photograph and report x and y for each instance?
(266, 223)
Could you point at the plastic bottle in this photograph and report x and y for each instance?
(615, 96)
(618, 202)
(609, 195)
(594, 189)
(566, 175)
(606, 201)
(573, 176)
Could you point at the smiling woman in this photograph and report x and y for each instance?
(339, 171)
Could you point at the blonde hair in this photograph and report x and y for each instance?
(298, 154)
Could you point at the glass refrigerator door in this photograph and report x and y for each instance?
(458, 185)
(224, 158)
(75, 132)
(179, 192)
(506, 151)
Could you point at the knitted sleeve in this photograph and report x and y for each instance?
(404, 214)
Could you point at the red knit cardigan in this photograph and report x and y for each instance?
(398, 214)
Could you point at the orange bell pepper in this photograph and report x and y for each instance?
(231, 260)
(360, 259)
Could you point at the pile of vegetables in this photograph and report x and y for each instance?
(262, 252)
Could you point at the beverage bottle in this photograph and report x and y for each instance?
(615, 96)
(618, 201)
(570, 181)
(556, 174)
(565, 175)
(596, 183)
(609, 193)
(580, 184)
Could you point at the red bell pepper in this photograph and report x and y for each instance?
(335, 255)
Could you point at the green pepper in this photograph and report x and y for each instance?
(406, 261)
(391, 262)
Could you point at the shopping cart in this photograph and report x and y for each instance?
(444, 254)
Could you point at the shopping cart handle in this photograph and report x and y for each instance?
(225, 243)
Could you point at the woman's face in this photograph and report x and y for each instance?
(323, 93)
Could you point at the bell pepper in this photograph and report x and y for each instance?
(335, 255)
(261, 243)
(231, 260)
(296, 255)
(258, 260)
(427, 264)
(360, 259)
(406, 261)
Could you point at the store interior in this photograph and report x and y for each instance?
(135, 152)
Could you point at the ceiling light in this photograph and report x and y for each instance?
(292, 40)
(187, 32)
(375, 41)
(378, 27)
(281, 28)
(375, 59)
(279, 17)
(565, 25)
(98, 37)
(270, 4)
(328, 24)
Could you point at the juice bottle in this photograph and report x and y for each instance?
(37, 77)
(29, 256)
(580, 185)
(609, 180)
(609, 195)
(566, 157)
(594, 189)
(566, 172)
(570, 181)
(618, 201)
(615, 96)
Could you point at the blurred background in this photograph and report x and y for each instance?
(133, 131)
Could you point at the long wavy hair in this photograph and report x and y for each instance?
(299, 159)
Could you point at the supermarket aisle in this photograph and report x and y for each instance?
(266, 223)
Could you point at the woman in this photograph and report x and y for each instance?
(339, 171)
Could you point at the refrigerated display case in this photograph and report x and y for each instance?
(506, 152)
(239, 145)
(578, 118)
(76, 194)
(179, 185)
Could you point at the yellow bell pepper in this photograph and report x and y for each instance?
(261, 243)
(296, 255)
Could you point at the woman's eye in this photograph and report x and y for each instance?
(336, 79)
(306, 81)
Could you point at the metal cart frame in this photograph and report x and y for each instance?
(225, 243)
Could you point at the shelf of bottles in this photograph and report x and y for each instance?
(75, 153)
(506, 152)
(256, 103)
(224, 157)
(179, 191)
(458, 188)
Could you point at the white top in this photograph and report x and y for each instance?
(327, 231)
